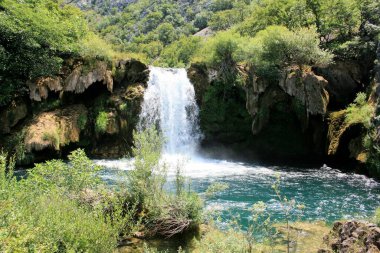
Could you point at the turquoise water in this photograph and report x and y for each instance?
(327, 193)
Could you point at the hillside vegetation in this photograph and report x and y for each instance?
(162, 31)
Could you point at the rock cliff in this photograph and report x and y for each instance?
(90, 104)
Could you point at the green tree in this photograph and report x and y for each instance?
(179, 53)
(279, 47)
(166, 33)
(289, 13)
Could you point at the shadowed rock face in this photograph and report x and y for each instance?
(305, 89)
(345, 79)
(12, 115)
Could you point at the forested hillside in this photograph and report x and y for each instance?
(162, 30)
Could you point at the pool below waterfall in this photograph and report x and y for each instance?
(326, 193)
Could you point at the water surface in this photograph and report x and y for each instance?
(327, 193)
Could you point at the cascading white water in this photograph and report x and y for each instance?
(169, 103)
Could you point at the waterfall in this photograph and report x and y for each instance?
(169, 104)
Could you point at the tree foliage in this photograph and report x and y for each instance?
(36, 37)
(279, 47)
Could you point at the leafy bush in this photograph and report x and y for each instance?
(360, 112)
(288, 13)
(166, 33)
(74, 177)
(41, 213)
(167, 214)
(224, 19)
(101, 122)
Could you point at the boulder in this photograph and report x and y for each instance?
(353, 236)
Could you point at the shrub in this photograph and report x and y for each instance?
(224, 19)
(74, 177)
(41, 213)
(360, 112)
(166, 33)
(101, 122)
(201, 20)
(288, 13)
(147, 177)
(58, 224)
(167, 214)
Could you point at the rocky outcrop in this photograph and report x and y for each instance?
(64, 110)
(55, 129)
(12, 115)
(345, 79)
(352, 236)
(306, 90)
(199, 77)
(77, 81)
(131, 71)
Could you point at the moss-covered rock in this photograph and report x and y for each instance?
(55, 129)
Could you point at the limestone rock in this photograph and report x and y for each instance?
(136, 72)
(206, 32)
(305, 88)
(40, 89)
(79, 80)
(15, 112)
(112, 124)
(308, 88)
(55, 129)
(134, 91)
(199, 77)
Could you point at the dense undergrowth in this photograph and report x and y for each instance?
(65, 207)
